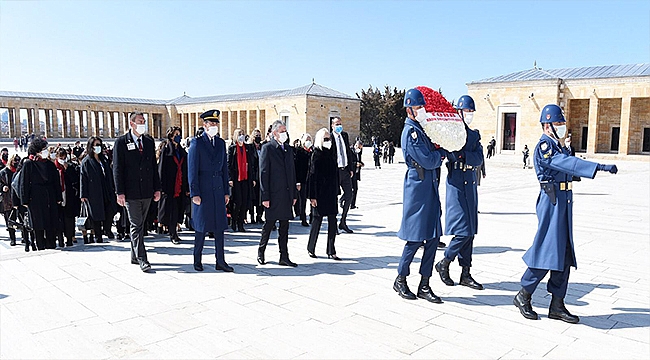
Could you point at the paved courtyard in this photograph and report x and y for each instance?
(89, 302)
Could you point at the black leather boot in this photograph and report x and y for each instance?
(558, 311)
(442, 267)
(467, 280)
(522, 301)
(424, 291)
(402, 288)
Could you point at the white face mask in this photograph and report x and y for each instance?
(52, 156)
(45, 154)
(283, 137)
(421, 115)
(560, 130)
(61, 161)
(357, 150)
(327, 144)
(141, 128)
(308, 144)
(97, 149)
(212, 130)
(241, 138)
(469, 116)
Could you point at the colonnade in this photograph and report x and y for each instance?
(247, 120)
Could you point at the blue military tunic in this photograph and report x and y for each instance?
(207, 170)
(421, 211)
(553, 165)
(461, 204)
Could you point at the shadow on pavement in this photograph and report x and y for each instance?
(505, 213)
(494, 249)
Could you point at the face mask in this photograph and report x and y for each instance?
(308, 144)
(52, 156)
(258, 139)
(283, 137)
(97, 149)
(141, 128)
(560, 130)
(241, 138)
(5, 157)
(45, 154)
(327, 144)
(212, 131)
(567, 143)
(61, 161)
(469, 116)
(338, 128)
(421, 115)
(177, 139)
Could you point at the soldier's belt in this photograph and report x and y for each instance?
(461, 166)
(565, 186)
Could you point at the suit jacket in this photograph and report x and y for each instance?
(277, 180)
(352, 162)
(136, 175)
(323, 183)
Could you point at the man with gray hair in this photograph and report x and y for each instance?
(136, 181)
(277, 189)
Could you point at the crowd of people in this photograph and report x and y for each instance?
(136, 187)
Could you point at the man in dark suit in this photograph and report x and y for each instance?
(346, 162)
(278, 190)
(136, 182)
(207, 169)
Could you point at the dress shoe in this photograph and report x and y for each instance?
(558, 311)
(69, 243)
(175, 240)
(224, 267)
(99, 240)
(240, 228)
(86, 239)
(442, 267)
(467, 280)
(345, 228)
(287, 262)
(127, 236)
(120, 236)
(424, 291)
(334, 257)
(144, 265)
(304, 223)
(260, 258)
(522, 301)
(402, 288)
(12, 242)
(109, 234)
(134, 262)
(198, 267)
(441, 245)
(312, 255)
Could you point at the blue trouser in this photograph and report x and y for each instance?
(461, 246)
(557, 283)
(199, 239)
(426, 264)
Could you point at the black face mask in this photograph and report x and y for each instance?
(5, 157)
(258, 139)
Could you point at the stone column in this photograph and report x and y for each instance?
(12, 123)
(64, 123)
(257, 120)
(624, 139)
(233, 119)
(18, 128)
(55, 122)
(30, 120)
(592, 137)
(37, 121)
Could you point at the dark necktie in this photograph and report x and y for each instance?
(140, 145)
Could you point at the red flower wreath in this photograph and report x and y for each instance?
(435, 101)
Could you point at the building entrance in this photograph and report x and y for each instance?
(509, 131)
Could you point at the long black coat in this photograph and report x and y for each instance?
(97, 186)
(233, 172)
(167, 169)
(323, 183)
(136, 175)
(72, 180)
(40, 190)
(302, 164)
(277, 180)
(6, 202)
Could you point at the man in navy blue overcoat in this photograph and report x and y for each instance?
(421, 203)
(461, 218)
(552, 249)
(207, 170)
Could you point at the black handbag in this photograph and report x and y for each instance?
(83, 221)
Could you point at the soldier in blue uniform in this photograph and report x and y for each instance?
(207, 170)
(461, 218)
(552, 249)
(421, 213)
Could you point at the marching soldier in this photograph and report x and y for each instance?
(552, 249)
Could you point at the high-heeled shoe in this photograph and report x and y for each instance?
(334, 257)
(312, 255)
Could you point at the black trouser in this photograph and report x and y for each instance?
(175, 211)
(345, 181)
(122, 225)
(240, 199)
(355, 190)
(45, 239)
(315, 229)
(301, 203)
(10, 215)
(283, 237)
(137, 211)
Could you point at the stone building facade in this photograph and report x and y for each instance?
(607, 107)
(304, 109)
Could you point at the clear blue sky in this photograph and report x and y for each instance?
(159, 49)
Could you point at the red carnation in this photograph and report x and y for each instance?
(435, 101)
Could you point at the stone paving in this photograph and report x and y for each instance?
(89, 302)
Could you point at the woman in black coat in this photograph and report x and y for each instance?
(242, 179)
(323, 189)
(175, 190)
(303, 156)
(71, 205)
(6, 201)
(40, 191)
(256, 209)
(97, 188)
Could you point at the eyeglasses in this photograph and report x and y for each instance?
(326, 139)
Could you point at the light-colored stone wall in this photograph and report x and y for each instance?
(639, 119)
(577, 113)
(320, 109)
(609, 116)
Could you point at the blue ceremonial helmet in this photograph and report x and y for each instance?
(551, 113)
(413, 97)
(465, 102)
